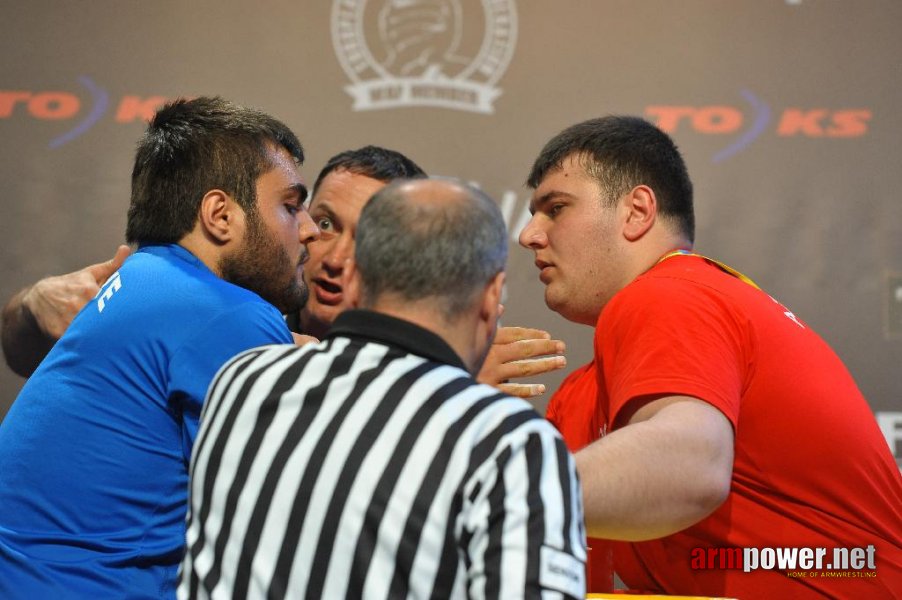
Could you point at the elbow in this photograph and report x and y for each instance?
(711, 491)
(713, 495)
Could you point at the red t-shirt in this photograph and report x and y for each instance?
(811, 468)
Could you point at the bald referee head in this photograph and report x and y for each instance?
(432, 251)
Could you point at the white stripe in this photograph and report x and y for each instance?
(552, 495)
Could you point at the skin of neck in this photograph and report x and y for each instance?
(652, 247)
(468, 335)
(206, 248)
(219, 230)
(313, 326)
(640, 254)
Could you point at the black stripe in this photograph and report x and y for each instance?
(565, 483)
(269, 408)
(312, 403)
(535, 529)
(491, 560)
(368, 538)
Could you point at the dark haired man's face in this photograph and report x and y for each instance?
(576, 240)
(270, 258)
(335, 209)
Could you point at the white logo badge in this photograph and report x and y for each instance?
(419, 53)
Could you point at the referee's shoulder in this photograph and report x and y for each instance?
(259, 358)
(523, 415)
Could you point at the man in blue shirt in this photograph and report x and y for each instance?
(94, 451)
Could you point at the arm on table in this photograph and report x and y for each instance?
(667, 469)
(521, 352)
(37, 316)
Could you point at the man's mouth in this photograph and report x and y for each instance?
(327, 292)
(544, 270)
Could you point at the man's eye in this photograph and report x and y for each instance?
(324, 224)
(555, 209)
(292, 209)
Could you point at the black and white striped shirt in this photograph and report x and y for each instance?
(372, 465)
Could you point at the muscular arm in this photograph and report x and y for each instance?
(666, 470)
(37, 316)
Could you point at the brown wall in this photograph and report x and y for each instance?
(787, 113)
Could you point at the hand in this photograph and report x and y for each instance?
(521, 352)
(54, 301)
(302, 340)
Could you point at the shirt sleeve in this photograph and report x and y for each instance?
(574, 410)
(667, 336)
(524, 527)
(200, 357)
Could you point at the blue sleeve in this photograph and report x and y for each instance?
(200, 357)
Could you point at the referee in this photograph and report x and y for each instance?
(372, 464)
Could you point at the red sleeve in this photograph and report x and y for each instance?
(573, 408)
(670, 336)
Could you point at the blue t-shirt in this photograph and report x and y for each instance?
(94, 452)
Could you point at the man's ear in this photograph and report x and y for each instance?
(490, 308)
(220, 217)
(350, 284)
(641, 207)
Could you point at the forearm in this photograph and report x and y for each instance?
(24, 343)
(39, 315)
(658, 476)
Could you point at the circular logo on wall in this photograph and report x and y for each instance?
(440, 53)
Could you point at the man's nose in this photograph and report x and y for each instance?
(533, 235)
(307, 229)
(341, 250)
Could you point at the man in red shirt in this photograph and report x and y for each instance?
(710, 424)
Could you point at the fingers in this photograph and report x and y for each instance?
(54, 301)
(522, 390)
(122, 252)
(521, 352)
(525, 349)
(102, 271)
(529, 367)
(506, 335)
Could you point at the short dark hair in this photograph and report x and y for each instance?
(621, 152)
(374, 162)
(448, 250)
(194, 146)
